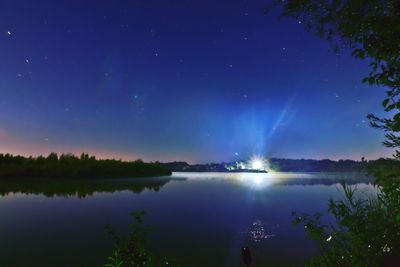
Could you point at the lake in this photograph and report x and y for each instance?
(201, 219)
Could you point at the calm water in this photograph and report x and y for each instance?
(201, 219)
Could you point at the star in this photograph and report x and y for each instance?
(27, 61)
(8, 33)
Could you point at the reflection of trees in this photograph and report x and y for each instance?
(80, 188)
(324, 181)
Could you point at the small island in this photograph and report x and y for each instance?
(71, 166)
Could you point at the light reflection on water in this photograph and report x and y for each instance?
(259, 231)
(261, 181)
(202, 219)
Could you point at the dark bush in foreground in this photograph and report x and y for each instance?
(132, 250)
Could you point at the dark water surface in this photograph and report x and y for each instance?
(201, 219)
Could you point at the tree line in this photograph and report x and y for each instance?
(71, 166)
(289, 165)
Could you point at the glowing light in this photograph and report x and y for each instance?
(257, 164)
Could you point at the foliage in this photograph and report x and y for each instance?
(366, 230)
(70, 166)
(310, 165)
(276, 164)
(371, 29)
(132, 251)
(115, 260)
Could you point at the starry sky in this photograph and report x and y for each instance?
(198, 81)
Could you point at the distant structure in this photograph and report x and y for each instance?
(277, 164)
(255, 164)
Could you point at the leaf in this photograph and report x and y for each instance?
(385, 102)
(396, 127)
(371, 81)
(396, 117)
(398, 218)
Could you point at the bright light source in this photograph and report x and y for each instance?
(257, 164)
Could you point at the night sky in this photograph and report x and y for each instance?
(198, 81)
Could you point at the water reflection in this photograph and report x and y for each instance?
(212, 214)
(88, 187)
(80, 188)
(259, 181)
(257, 231)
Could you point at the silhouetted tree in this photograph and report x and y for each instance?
(371, 29)
(368, 230)
(70, 166)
